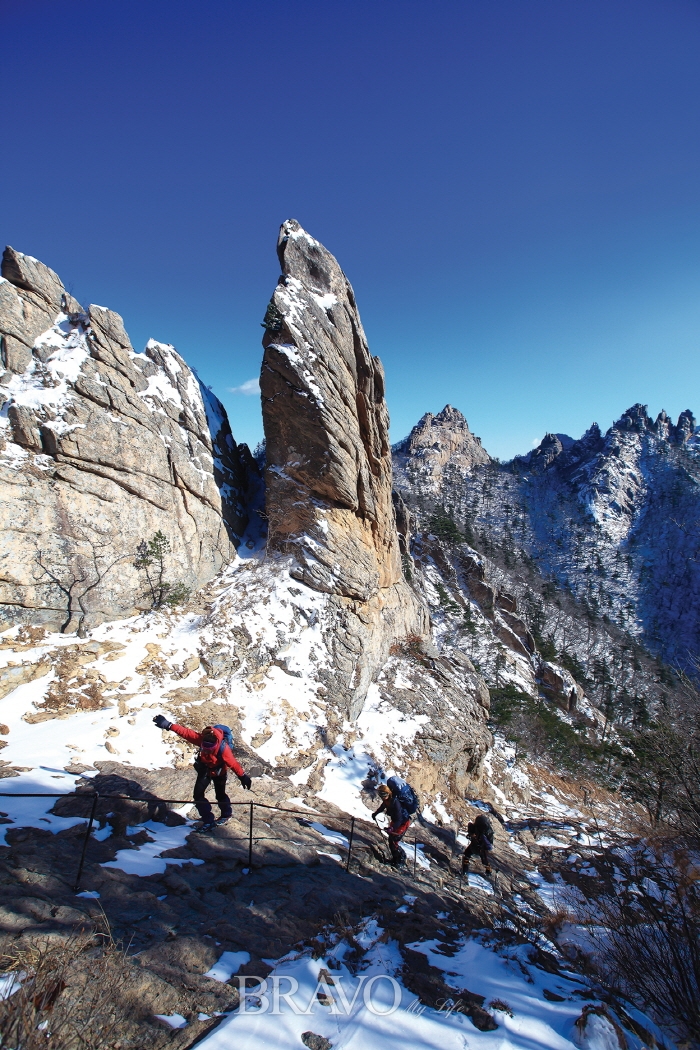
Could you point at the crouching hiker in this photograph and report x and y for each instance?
(399, 802)
(480, 834)
(215, 757)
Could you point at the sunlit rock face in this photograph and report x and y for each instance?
(329, 471)
(100, 448)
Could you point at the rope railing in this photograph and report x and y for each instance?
(95, 796)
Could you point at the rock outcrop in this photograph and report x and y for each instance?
(437, 442)
(100, 448)
(329, 471)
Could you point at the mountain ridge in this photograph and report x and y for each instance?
(613, 517)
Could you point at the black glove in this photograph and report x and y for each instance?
(245, 781)
(162, 722)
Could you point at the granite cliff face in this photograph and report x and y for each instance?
(326, 428)
(313, 640)
(329, 470)
(100, 448)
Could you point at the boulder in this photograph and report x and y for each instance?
(13, 675)
(329, 471)
(597, 1029)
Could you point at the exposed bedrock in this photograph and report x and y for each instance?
(329, 472)
(100, 448)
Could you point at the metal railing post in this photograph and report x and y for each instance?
(352, 833)
(250, 839)
(85, 842)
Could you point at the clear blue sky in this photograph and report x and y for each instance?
(512, 186)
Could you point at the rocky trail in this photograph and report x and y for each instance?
(181, 901)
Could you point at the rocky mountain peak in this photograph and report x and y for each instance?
(635, 418)
(326, 426)
(439, 440)
(638, 419)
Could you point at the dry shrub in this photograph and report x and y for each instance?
(411, 647)
(647, 939)
(26, 638)
(80, 695)
(69, 998)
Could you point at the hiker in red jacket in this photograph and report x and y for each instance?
(212, 762)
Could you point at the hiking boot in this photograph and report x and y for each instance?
(224, 820)
(203, 826)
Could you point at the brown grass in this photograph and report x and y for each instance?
(69, 998)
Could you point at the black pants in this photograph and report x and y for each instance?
(480, 847)
(204, 779)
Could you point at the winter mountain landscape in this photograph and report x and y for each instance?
(514, 639)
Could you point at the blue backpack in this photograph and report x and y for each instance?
(405, 794)
(228, 737)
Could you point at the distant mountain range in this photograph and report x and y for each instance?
(612, 518)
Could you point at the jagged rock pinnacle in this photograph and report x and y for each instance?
(329, 470)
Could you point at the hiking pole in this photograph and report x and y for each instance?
(250, 840)
(352, 832)
(95, 797)
(415, 856)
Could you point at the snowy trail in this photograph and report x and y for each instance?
(372, 1022)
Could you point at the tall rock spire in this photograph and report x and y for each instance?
(329, 471)
(326, 428)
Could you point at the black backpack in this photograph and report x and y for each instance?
(483, 826)
(405, 794)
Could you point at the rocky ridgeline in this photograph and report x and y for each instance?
(104, 446)
(610, 520)
(100, 448)
(354, 645)
(329, 472)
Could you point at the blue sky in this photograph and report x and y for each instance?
(510, 185)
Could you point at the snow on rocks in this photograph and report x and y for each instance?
(229, 964)
(100, 448)
(371, 1006)
(148, 858)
